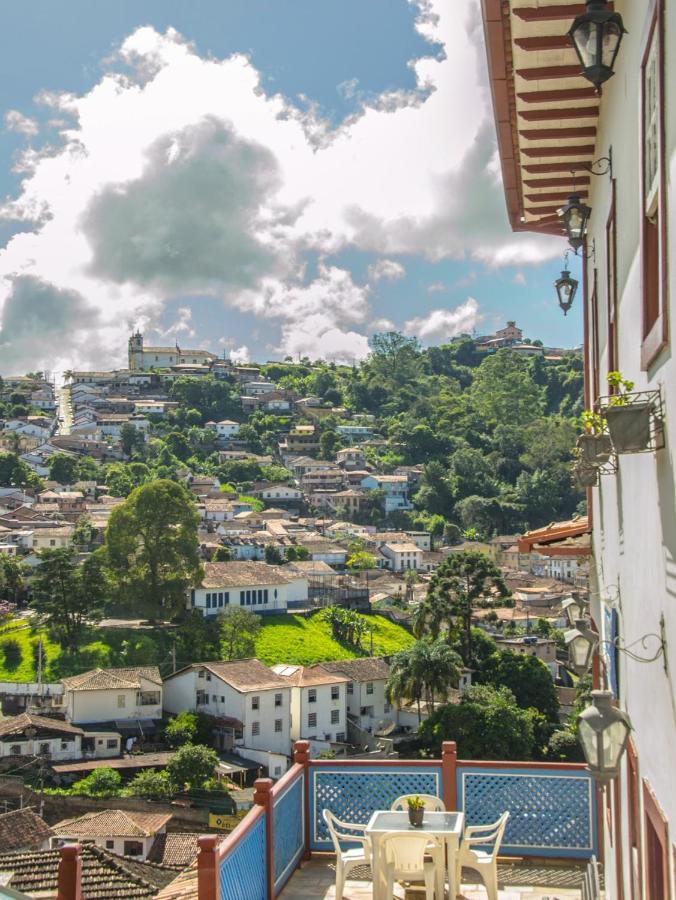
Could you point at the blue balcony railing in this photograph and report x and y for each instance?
(552, 806)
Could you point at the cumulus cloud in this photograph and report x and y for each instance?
(38, 321)
(442, 324)
(240, 354)
(182, 326)
(520, 279)
(17, 122)
(178, 175)
(382, 325)
(387, 269)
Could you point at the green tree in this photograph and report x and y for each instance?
(239, 630)
(103, 782)
(14, 472)
(182, 729)
(329, 442)
(273, 556)
(527, 677)
(297, 553)
(458, 582)
(63, 468)
(11, 578)
(192, 765)
(152, 548)
(152, 785)
(426, 671)
(487, 724)
(504, 391)
(564, 746)
(68, 596)
(222, 554)
(360, 561)
(131, 438)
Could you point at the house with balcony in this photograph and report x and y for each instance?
(29, 735)
(400, 556)
(318, 704)
(597, 167)
(250, 705)
(251, 584)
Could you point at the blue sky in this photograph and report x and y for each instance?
(358, 199)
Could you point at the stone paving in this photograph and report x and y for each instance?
(518, 881)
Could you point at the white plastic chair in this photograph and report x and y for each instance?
(485, 862)
(347, 860)
(431, 802)
(404, 860)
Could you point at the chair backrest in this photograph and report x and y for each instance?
(406, 850)
(432, 803)
(487, 834)
(339, 831)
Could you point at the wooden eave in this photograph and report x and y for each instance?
(545, 112)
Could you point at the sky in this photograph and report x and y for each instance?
(263, 179)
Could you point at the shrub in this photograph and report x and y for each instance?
(564, 746)
(181, 730)
(152, 785)
(12, 652)
(193, 764)
(104, 782)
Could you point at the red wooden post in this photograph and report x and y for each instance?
(449, 762)
(301, 757)
(208, 882)
(70, 873)
(263, 797)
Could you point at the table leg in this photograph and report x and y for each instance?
(451, 856)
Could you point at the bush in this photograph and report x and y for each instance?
(11, 650)
(152, 785)
(564, 746)
(193, 764)
(181, 730)
(104, 782)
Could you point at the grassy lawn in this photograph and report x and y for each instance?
(303, 641)
(20, 666)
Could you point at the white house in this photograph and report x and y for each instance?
(355, 432)
(251, 704)
(226, 429)
(124, 832)
(124, 696)
(627, 295)
(367, 705)
(318, 704)
(402, 556)
(279, 493)
(27, 734)
(254, 585)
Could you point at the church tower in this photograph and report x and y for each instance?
(135, 352)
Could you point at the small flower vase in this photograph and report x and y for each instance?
(415, 816)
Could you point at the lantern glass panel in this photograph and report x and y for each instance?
(580, 651)
(614, 737)
(590, 744)
(585, 38)
(610, 44)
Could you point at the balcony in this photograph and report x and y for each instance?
(280, 849)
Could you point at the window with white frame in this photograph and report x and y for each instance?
(312, 720)
(255, 728)
(335, 716)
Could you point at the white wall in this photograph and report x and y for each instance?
(110, 705)
(634, 516)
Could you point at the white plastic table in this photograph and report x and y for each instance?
(447, 826)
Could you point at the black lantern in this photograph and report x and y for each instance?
(575, 216)
(574, 607)
(603, 730)
(565, 290)
(596, 36)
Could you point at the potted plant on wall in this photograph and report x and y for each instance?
(416, 811)
(594, 446)
(628, 417)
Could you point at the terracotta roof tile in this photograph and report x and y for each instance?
(23, 829)
(18, 724)
(305, 676)
(105, 679)
(245, 674)
(174, 849)
(372, 668)
(236, 573)
(112, 822)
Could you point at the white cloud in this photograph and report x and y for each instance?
(442, 324)
(181, 327)
(17, 122)
(185, 178)
(520, 279)
(437, 287)
(240, 354)
(387, 269)
(382, 325)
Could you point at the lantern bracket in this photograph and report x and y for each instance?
(587, 254)
(605, 161)
(661, 638)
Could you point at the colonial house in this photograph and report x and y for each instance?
(367, 705)
(53, 739)
(250, 703)
(253, 585)
(351, 458)
(318, 708)
(401, 556)
(621, 144)
(129, 697)
(395, 488)
(225, 429)
(278, 493)
(124, 832)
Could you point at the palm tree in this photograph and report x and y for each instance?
(424, 671)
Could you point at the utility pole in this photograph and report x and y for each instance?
(173, 658)
(40, 667)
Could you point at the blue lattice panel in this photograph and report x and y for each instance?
(353, 793)
(242, 873)
(288, 832)
(551, 813)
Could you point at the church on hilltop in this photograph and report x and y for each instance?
(142, 358)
